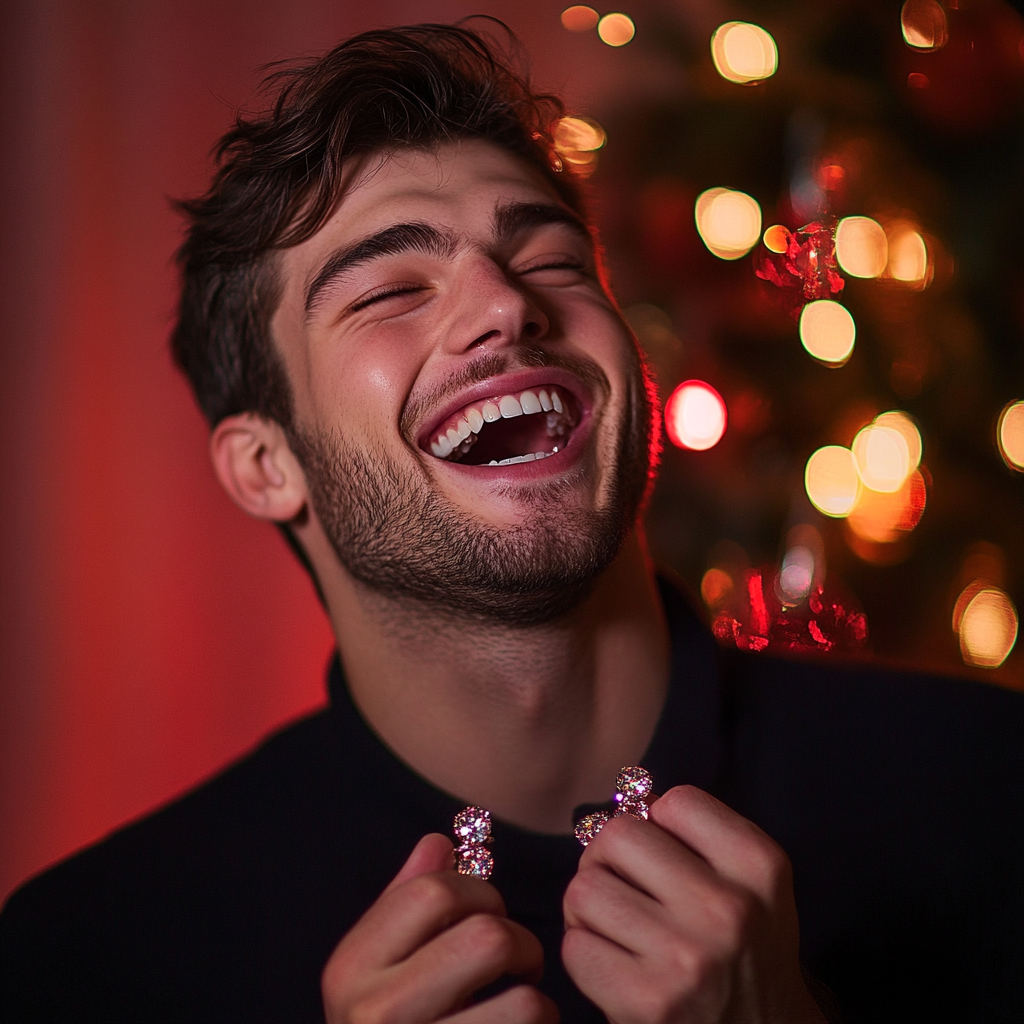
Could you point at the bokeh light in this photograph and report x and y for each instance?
(924, 24)
(1010, 435)
(796, 575)
(616, 29)
(986, 621)
(832, 481)
(883, 458)
(883, 517)
(776, 238)
(908, 254)
(902, 423)
(695, 416)
(580, 18)
(716, 588)
(827, 331)
(577, 140)
(743, 53)
(861, 247)
(729, 222)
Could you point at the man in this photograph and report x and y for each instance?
(394, 317)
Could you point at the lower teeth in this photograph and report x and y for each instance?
(522, 458)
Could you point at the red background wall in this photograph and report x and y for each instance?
(149, 632)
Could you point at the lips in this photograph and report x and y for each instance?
(507, 429)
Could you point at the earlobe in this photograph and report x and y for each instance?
(255, 465)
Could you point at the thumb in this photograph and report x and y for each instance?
(432, 853)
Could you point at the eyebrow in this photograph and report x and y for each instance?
(390, 241)
(509, 220)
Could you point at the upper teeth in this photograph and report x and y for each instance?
(459, 432)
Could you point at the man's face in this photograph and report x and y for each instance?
(470, 410)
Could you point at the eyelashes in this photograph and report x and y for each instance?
(409, 288)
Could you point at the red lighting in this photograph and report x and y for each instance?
(695, 416)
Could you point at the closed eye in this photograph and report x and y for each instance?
(558, 271)
(387, 292)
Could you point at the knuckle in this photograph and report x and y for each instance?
(527, 1005)
(489, 937)
(734, 911)
(581, 890)
(434, 895)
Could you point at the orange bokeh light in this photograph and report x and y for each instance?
(716, 588)
(908, 255)
(861, 247)
(882, 517)
(695, 416)
(832, 481)
(729, 222)
(776, 238)
(924, 24)
(986, 621)
(616, 29)
(1010, 435)
(827, 331)
(743, 53)
(580, 18)
(883, 458)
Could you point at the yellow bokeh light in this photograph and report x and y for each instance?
(776, 238)
(827, 331)
(908, 255)
(883, 458)
(924, 24)
(579, 18)
(578, 135)
(861, 247)
(987, 626)
(729, 222)
(904, 425)
(1010, 434)
(832, 481)
(743, 53)
(616, 29)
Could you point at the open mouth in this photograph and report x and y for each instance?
(508, 429)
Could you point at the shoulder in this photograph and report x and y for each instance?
(197, 874)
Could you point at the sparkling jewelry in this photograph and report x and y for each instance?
(472, 835)
(633, 786)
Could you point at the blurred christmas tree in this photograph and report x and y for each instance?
(895, 141)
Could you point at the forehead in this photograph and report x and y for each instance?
(456, 185)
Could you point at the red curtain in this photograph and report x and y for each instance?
(149, 631)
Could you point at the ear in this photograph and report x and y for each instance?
(256, 467)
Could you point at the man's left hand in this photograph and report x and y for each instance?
(687, 918)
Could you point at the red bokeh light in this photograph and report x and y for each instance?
(695, 416)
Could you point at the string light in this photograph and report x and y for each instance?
(1010, 435)
(827, 331)
(832, 481)
(728, 222)
(743, 53)
(861, 247)
(695, 416)
(616, 29)
(580, 18)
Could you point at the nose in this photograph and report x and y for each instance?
(494, 311)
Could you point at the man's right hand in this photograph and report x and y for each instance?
(432, 939)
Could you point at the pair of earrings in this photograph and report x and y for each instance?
(472, 825)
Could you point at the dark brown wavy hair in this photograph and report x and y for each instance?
(278, 174)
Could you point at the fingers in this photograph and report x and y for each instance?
(520, 1005)
(734, 847)
(445, 973)
(434, 852)
(412, 913)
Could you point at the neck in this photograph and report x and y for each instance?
(528, 722)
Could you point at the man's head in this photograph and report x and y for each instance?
(388, 293)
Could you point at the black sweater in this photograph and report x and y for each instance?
(899, 798)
